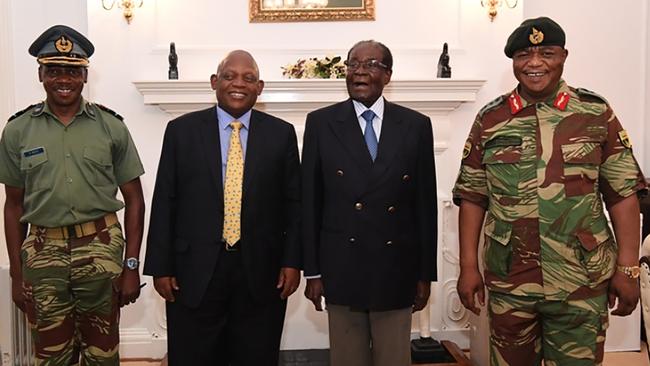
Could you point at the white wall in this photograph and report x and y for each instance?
(607, 54)
(6, 96)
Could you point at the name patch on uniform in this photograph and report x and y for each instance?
(34, 151)
(625, 139)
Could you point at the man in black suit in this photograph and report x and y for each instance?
(223, 243)
(369, 215)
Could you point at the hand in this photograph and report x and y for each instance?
(129, 287)
(626, 290)
(422, 293)
(165, 286)
(17, 293)
(288, 281)
(470, 283)
(314, 292)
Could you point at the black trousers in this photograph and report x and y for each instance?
(228, 328)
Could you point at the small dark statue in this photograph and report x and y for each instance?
(173, 62)
(444, 70)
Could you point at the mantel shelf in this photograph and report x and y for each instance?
(438, 96)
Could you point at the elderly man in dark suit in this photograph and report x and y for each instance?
(369, 215)
(223, 242)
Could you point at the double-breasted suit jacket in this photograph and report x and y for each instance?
(369, 228)
(185, 234)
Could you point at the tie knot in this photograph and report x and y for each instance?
(368, 115)
(236, 125)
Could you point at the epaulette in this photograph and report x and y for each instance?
(110, 111)
(585, 92)
(493, 104)
(20, 113)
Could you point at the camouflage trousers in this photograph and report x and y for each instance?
(525, 330)
(71, 287)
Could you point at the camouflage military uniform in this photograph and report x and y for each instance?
(540, 171)
(72, 257)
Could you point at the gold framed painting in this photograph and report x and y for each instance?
(310, 10)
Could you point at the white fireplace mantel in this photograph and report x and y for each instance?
(437, 96)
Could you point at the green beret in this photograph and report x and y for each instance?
(540, 31)
(62, 45)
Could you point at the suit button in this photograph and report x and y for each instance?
(406, 177)
(390, 242)
(391, 209)
(352, 240)
(358, 206)
(339, 173)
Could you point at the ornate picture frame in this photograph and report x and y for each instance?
(261, 12)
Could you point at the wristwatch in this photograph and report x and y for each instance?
(630, 271)
(132, 263)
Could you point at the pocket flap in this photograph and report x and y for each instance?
(98, 156)
(581, 153)
(31, 158)
(498, 230)
(502, 149)
(590, 240)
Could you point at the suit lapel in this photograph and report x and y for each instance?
(212, 147)
(346, 128)
(393, 132)
(254, 148)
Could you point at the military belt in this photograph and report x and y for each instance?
(76, 230)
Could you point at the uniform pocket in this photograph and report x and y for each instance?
(501, 159)
(598, 252)
(100, 162)
(498, 249)
(581, 163)
(32, 162)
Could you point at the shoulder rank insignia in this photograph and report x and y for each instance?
(561, 101)
(110, 111)
(467, 149)
(493, 104)
(625, 139)
(515, 103)
(583, 92)
(536, 37)
(38, 109)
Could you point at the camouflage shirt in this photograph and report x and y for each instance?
(542, 172)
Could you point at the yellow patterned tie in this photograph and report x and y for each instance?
(233, 187)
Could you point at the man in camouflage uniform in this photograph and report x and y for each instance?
(541, 160)
(62, 162)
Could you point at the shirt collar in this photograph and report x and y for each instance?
(558, 100)
(377, 107)
(224, 118)
(84, 108)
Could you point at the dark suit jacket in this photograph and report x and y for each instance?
(185, 229)
(369, 228)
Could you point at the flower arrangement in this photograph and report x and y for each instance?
(330, 67)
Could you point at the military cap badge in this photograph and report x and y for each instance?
(536, 37)
(625, 139)
(467, 149)
(63, 44)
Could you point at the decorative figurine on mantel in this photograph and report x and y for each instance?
(444, 70)
(173, 62)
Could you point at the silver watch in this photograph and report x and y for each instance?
(132, 263)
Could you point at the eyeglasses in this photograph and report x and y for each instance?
(370, 65)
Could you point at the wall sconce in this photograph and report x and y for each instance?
(493, 4)
(127, 5)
